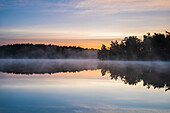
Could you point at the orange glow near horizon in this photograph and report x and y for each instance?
(96, 44)
(84, 23)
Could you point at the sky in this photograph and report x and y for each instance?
(85, 23)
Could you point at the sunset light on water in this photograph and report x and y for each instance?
(84, 56)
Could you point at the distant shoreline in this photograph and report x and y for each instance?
(42, 51)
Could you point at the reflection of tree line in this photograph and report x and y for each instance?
(131, 74)
(156, 75)
(42, 67)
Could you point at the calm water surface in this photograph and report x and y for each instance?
(84, 86)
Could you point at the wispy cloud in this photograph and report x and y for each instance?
(114, 6)
(83, 18)
(51, 4)
(97, 7)
(55, 10)
(33, 4)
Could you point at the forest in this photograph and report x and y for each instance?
(153, 47)
(42, 51)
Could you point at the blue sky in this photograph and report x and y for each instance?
(81, 19)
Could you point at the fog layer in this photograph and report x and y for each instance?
(156, 74)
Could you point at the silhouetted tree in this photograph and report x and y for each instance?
(132, 47)
(103, 53)
(153, 47)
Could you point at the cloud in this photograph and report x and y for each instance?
(114, 6)
(50, 4)
(33, 3)
(122, 3)
(55, 11)
(97, 7)
(91, 6)
(75, 33)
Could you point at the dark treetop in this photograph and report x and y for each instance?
(153, 47)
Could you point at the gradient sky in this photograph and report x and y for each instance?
(86, 23)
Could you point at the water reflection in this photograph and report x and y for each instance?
(154, 74)
(80, 88)
(46, 66)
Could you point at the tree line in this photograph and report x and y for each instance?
(43, 51)
(153, 47)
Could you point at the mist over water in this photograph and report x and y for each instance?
(42, 66)
(84, 85)
(153, 73)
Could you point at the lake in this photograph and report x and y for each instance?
(84, 86)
